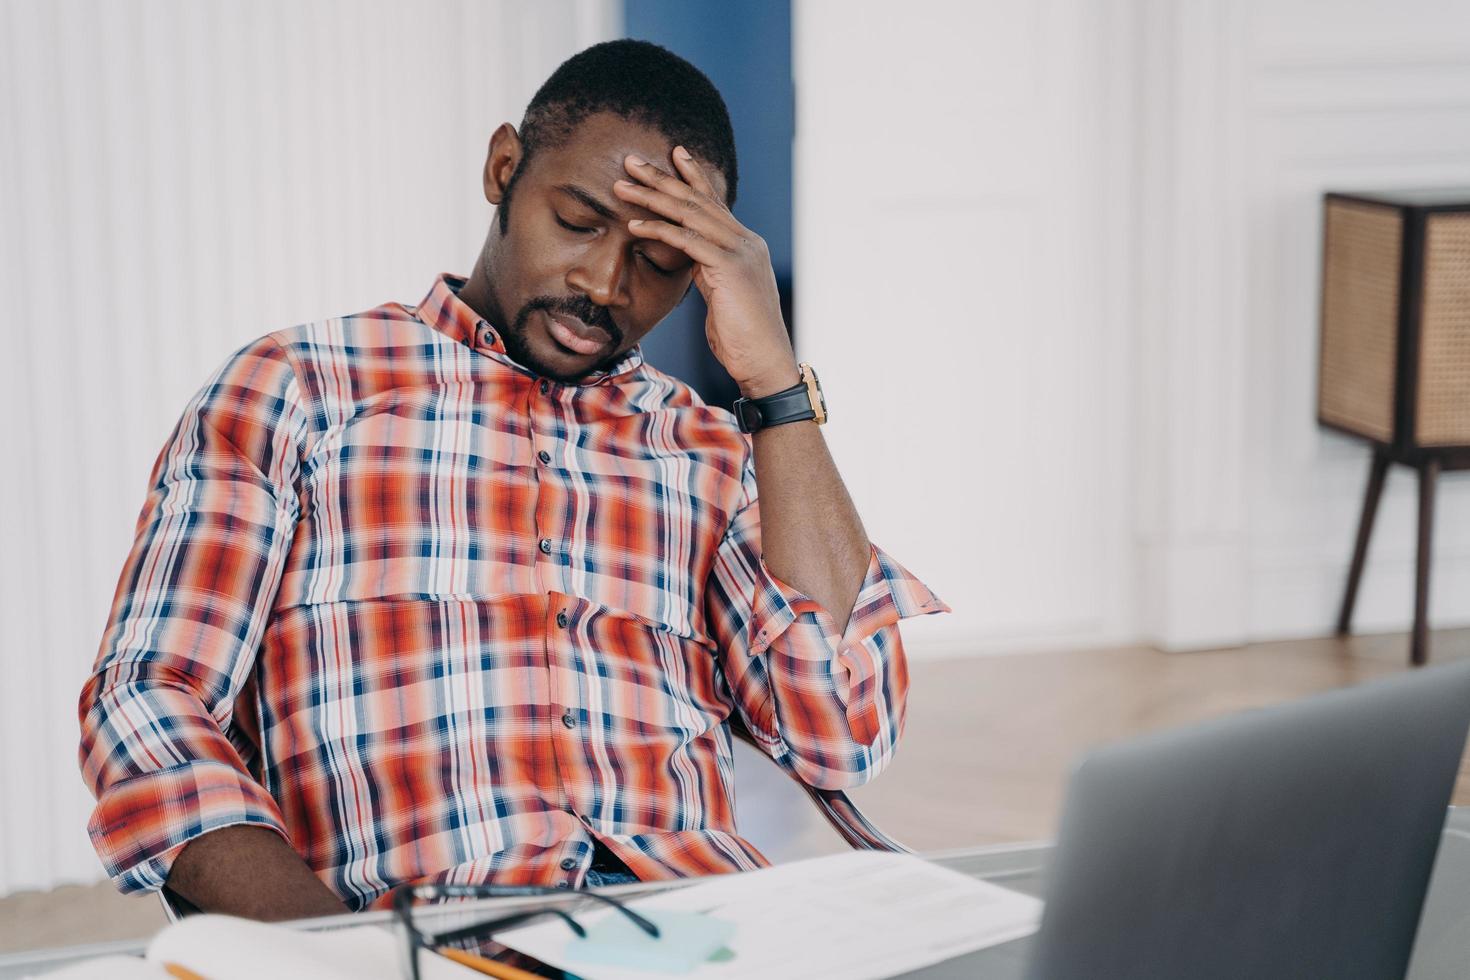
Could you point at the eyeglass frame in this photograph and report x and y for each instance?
(414, 940)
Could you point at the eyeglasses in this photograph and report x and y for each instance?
(415, 939)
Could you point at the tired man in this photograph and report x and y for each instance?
(466, 591)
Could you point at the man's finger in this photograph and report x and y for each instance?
(671, 184)
(656, 177)
(693, 173)
(717, 225)
(685, 239)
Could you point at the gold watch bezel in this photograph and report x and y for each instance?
(814, 392)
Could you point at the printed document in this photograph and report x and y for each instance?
(855, 915)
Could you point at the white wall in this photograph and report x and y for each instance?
(177, 177)
(962, 259)
(1058, 266)
(1379, 98)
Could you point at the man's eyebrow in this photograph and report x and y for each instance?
(587, 199)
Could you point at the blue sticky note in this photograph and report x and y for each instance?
(686, 939)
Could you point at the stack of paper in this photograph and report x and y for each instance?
(864, 914)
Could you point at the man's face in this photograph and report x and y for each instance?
(573, 288)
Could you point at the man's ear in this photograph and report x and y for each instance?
(501, 161)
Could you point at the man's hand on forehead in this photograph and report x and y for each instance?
(732, 269)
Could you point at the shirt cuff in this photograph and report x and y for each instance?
(142, 823)
(888, 594)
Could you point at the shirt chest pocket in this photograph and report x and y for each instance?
(398, 506)
(401, 503)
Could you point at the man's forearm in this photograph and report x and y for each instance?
(250, 872)
(811, 535)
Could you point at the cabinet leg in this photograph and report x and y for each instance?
(1419, 647)
(1376, 474)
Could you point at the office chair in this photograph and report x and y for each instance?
(834, 804)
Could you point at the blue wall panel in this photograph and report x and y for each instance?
(744, 46)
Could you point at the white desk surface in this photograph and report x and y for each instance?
(1441, 951)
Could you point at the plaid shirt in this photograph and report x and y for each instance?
(430, 617)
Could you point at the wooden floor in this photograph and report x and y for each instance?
(985, 757)
(990, 743)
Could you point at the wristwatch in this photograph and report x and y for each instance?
(798, 403)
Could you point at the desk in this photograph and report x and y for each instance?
(1441, 952)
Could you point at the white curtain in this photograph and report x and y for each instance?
(177, 177)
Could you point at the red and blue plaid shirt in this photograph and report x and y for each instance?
(430, 617)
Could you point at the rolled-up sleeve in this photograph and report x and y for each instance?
(826, 702)
(187, 618)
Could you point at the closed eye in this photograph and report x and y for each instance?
(656, 267)
(568, 226)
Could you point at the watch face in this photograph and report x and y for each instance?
(749, 414)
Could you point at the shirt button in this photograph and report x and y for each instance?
(545, 387)
(569, 720)
(562, 620)
(568, 864)
(546, 546)
(487, 337)
(563, 884)
(544, 456)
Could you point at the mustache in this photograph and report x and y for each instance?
(577, 306)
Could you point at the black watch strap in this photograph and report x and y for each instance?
(792, 404)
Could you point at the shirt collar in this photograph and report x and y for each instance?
(443, 310)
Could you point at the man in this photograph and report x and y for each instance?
(467, 591)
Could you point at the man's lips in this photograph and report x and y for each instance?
(575, 335)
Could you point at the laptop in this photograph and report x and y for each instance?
(1291, 841)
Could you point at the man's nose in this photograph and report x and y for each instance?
(600, 275)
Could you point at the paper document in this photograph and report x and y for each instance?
(857, 915)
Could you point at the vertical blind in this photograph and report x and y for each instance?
(176, 178)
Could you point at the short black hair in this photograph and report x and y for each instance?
(642, 83)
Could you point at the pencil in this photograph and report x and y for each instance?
(487, 967)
